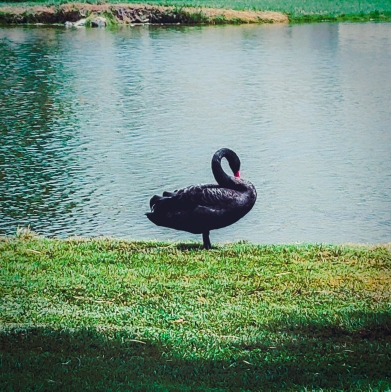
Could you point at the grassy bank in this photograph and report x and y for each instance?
(206, 11)
(114, 315)
(125, 14)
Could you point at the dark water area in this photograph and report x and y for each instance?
(93, 122)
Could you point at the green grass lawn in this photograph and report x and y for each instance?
(107, 314)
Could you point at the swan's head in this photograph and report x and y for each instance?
(234, 162)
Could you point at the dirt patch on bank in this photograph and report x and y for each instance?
(134, 13)
(246, 16)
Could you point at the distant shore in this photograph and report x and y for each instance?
(128, 14)
(113, 14)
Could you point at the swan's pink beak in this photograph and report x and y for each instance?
(237, 174)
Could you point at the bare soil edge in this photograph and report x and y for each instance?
(118, 14)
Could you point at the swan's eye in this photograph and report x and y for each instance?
(237, 174)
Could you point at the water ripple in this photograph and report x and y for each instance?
(94, 122)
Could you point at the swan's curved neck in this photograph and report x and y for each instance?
(222, 178)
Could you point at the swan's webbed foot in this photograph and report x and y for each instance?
(206, 240)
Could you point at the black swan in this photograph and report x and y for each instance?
(201, 208)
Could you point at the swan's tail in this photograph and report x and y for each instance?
(159, 205)
(154, 200)
(162, 204)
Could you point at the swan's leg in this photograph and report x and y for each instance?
(205, 238)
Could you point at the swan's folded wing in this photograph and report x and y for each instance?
(211, 196)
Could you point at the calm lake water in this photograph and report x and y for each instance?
(94, 122)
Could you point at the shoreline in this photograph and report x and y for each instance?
(131, 14)
(113, 14)
(25, 234)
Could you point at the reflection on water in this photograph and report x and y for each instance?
(94, 122)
